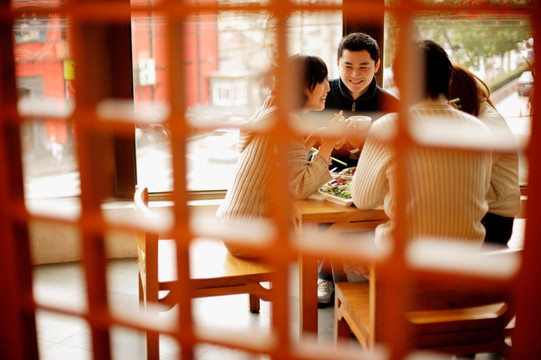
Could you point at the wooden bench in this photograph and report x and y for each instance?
(444, 317)
(213, 271)
(440, 316)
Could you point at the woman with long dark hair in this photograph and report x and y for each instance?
(503, 197)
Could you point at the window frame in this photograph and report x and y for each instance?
(102, 153)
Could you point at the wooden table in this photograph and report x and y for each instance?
(316, 210)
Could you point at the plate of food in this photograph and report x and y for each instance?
(347, 173)
(337, 191)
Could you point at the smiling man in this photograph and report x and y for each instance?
(355, 92)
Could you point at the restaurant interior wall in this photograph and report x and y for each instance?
(18, 333)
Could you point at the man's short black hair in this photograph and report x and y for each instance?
(357, 42)
(438, 68)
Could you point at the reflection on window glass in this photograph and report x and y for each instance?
(44, 75)
(30, 28)
(228, 64)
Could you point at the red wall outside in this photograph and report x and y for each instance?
(149, 40)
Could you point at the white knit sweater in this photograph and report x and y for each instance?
(446, 187)
(249, 196)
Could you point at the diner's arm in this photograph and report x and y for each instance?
(306, 177)
(370, 182)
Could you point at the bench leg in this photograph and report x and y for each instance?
(254, 303)
(341, 327)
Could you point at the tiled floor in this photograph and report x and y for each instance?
(63, 337)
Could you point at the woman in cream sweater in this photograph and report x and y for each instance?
(249, 197)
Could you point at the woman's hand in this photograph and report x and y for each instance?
(336, 129)
(337, 118)
(334, 136)
(312, 140)
(337, 125)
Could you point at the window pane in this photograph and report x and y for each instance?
(497, 48)
(45, 74)
(228, 58)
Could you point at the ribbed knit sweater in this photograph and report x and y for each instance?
(249, 196)
(446, 187)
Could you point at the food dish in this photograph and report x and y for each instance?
(336, 199)
(337, 191)
(347, 173)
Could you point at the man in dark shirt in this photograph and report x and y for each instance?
(355, 92)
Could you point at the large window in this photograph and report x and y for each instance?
(229, 56)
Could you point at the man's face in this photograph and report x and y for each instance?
(357, 70)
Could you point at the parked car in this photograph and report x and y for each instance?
(525, 83)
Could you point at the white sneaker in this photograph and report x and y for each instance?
(325, 289)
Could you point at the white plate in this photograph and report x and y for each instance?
(336, 199)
